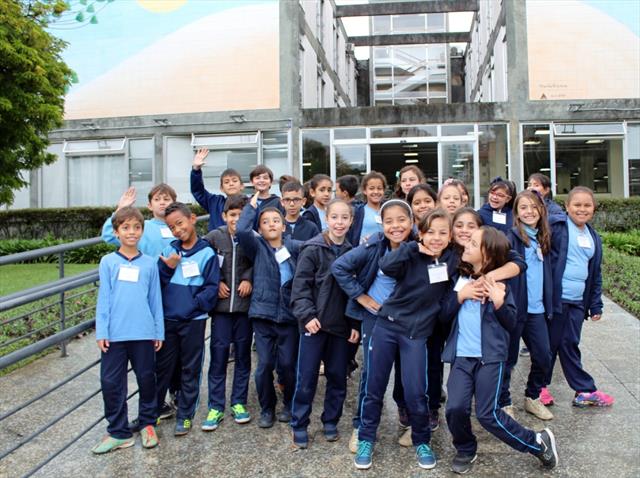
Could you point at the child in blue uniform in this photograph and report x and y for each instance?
(576, 255)
(298, 227)
(320, 187)
(406, 319)
(189, 276)
(422, 199)
(533, 293)
(229, 320)
(276, 334)
(497, 211)
(542, 184)
(230, 184)
(366, 219)
(319, 304)
(450, 198)
(483, 315)
(156, 235)
(129, 328)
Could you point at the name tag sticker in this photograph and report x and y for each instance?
(220, 260)
(282, 255)
(128, 273)
(378, 219)
(539, 254)
(438, 273)
(166, 233)
(499, 217)
(189, 269)
(583, 241)
(461, 282)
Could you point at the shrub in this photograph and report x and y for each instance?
(615, 215)
(621, 279)
(626, 242)
(85, 255)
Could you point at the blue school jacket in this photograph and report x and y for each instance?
(486, 214)
(313, 215)
(304, 229)
(592, 297)
(356, 270)
(353, 236)
(518, 284)
(552, 207)
(189, 298)
(315, 292)
(271, 201)
(212, 203)
(494, 331)
(155, 238)
(269, 300)
(412, 308)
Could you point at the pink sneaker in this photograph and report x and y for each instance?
(545, 397)
(593, 399)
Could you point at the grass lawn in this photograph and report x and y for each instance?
(17, 277)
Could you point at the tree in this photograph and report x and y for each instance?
(33, 80)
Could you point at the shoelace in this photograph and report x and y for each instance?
(364, 448)
(238, 409)
(424, 450)
(187, 423)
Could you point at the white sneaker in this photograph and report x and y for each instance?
(535, 407)
(353, 441)
(510, 410)
(405, 439)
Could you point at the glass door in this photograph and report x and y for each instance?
(457, 162)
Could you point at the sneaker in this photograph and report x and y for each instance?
(300, 439)
(134, 425)
(545, 397)
(425, 456)
(173, 399)
(434, 420)
(330, 431)
(535, 407)
(405, 439)
(403, 417)
(353, 441)
(183, 426)
(284, 416)
(524, 352)
(148, 437)
(548, 454)
(166, 411)
(462, 464)
(363, 455)
(266, 419)
(510, 410)
(214, 417)
(593, 399)
(240, 413)
(109, 443)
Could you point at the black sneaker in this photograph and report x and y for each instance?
(434, 420)
(462, 464)
(403, 417)
(166, 411)
(284, 416)
(134, 426)
(266, 419)
(548, 454)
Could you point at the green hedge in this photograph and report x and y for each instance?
(621, 279)
(625, 242)
(615, 215)
(85, 255)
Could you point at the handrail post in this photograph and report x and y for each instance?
(63, 345)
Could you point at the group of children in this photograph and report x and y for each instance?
(417, 280)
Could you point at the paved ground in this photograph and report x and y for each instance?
(593, 442)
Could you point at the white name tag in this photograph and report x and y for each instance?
(128, 273)
(583, 241)
(378, 219)
(461, 282)
(220, 260)
(438, 273)
(189, 269)
(539, 254)
(166, 233)
(282, 255)
(499, 217)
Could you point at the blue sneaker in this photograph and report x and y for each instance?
(363, 455)
(183, 426)
(300, 439)
(425, 456)
(240, 413)
(330, 432)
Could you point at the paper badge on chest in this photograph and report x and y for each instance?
(499, 217)
(189, 269)
(583, 241)
(128, 273)
(166, 233)
(282, 255)
(438, 273)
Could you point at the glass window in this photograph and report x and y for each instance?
(407, 131)
(457, 163)
(349, 133)
(54, 177)
(141, 167)
(633, 149)
(351, 159)
(492, 148)
(381, 24)
(584, 163)
(105, 146)
(316, 157)
(202, 141)
(457, 130)
(586, 129)
(409, 23)
(435, 22)
(275, 155)
(96, 180)
(536, 152)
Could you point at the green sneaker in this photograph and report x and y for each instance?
(110, 443)
(148, 437)
(183, 426)
(214, 417)
(240, 413)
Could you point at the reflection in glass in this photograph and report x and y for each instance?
(535, 150)
(351, 159)
(316, 156)
(457, 163)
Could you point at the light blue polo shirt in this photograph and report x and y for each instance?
(577, 268)
(469, 342)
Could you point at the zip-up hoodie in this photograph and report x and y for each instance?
(486, 214)
(413, 307)
(189, 298)
(236, 267)
(212, 203)
(303, 230)
(315, 292)
(271, 201)
(269, 300)
(592, 297)
(313, 215)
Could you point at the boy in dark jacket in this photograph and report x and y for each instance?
(274, 326)
(189, 275)
(298, 227)
(229, 321)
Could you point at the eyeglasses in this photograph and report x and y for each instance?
(291, 200)
(499, 195)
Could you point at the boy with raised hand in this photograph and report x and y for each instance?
(189, 277)
(229, 320)
(129, 328)
(230, 184)
(292, 199)
(156, 234)
(274, 326)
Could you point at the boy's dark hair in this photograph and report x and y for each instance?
(260, 169)
(439, 213)
(162, 188)
(349, 184)
(124, 214)
(284, 179)
(581, 189)
(235, 201)
(177, 206)
(422, 187)
(317, 179)
(270, 209)
(230, 172)
(292, 186)
(308, 200)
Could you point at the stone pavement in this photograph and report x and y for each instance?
(591, 442)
